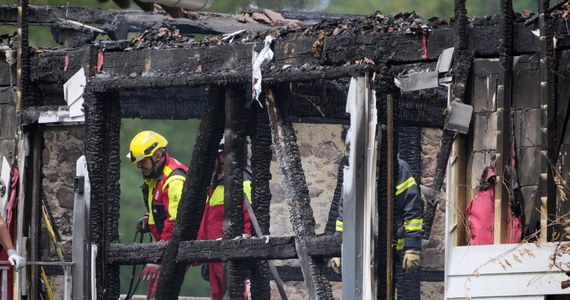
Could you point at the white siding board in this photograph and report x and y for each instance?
(482, 271)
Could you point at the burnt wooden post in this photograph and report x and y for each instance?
(102, 129)
(546, 189)
(297, 195)
(194, 193)
(504, 134)
(462, 65)
(261, 195)
(234, 271)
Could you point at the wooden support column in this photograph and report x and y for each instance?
(297, 195)
(233, 183)
(194, 193)
(261, 156)
(102, 127)
(390, 192)
(504, 123)
(546, 189)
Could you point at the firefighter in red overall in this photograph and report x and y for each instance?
(211, 227)
(163, 179)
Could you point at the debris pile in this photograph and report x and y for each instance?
(270, 17)
(159, 37)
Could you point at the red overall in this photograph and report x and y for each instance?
(211, 228)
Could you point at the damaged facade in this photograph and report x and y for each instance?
(511, 70)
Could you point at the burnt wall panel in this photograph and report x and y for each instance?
(527, 128)
(172, 103)
(526, 83)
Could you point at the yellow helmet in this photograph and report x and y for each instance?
(144, 144)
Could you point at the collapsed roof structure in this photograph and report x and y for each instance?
(508, 73)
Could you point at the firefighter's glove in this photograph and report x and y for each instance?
(334, 263)
(412, 260)
(150, 272)
(16, 260)
(142, 224)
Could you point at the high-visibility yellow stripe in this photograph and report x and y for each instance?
(400, 245)
(217, 197)
(339, 225)
(413, 224)
(174, 194)
(151, 185)
(405, 185)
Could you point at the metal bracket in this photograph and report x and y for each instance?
(79, 184)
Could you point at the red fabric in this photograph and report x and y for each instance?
(211, 227)
(217, 280)
(481, 214)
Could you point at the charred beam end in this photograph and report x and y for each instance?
(106, 83)
(266, 248)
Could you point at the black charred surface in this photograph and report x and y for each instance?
(382, 190)
(175, 103)
(234, 164)
(410, 149)
(233, 183)
(107, 83)
(261, 195)
(325, 98)
(191, 207)
(23, 55)
(102, 153)
(297, 195)
(267, 248)
(462, 65)
(337, 197)
(422, 108)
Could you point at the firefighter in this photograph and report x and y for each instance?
(211, 227)
(163, 179)
(408, 221)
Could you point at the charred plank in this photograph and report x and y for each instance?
(267, 248)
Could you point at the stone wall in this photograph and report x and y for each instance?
(61, 150)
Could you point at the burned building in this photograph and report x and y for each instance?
(452, 97)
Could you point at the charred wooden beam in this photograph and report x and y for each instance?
(261, 156)
(297, 195)
(191, 207)
(462, 65)
(102, 145)
(267, 248)
(116, 83)
(504, 119)
(234, 137)
(546, 190)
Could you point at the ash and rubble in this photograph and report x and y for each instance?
(165, 35)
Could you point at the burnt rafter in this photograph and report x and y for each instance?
(255, 249)
(297, 195)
